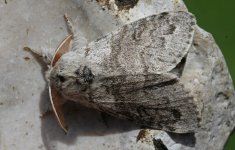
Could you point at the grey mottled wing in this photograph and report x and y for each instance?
(155, 101)
(154, 44)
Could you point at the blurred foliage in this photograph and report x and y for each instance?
(218, 18)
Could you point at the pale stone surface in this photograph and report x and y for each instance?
(24, 96)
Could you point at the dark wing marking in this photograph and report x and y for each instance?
(157, 101)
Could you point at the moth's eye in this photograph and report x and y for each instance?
(61, 78)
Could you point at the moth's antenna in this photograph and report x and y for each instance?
(55, 99)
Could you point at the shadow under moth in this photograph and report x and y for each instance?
(128, 73)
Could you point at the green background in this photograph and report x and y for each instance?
(218, 18)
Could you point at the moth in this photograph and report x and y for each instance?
(129, 73)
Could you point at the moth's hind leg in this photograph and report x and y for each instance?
(76, 37)
(33, 51)
(45, 56)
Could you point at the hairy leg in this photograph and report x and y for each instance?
(69, 25)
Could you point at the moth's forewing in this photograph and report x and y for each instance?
(55, 97)
(157, 101)
(154, 44)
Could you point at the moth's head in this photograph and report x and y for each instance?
(69, 77)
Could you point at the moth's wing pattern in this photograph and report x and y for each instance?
(153, 44)
(157, 101)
